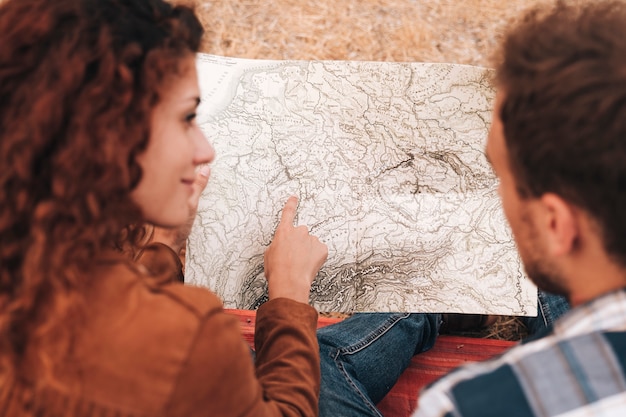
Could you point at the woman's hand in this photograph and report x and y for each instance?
(176, 237)
(293, 258)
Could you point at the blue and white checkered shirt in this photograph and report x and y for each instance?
(577, 369)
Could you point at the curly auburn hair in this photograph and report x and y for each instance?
(563, 74)
(78, 82)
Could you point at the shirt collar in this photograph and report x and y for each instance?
(604, 313)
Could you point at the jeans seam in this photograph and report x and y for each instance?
(372, 337)
(545, 311)
(356, 389)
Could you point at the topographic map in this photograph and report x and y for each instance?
(388, 162)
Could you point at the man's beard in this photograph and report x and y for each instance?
(545, 277)
(539, 269)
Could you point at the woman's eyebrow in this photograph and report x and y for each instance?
(195, 99)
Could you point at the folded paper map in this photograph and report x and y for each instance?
(388, 162)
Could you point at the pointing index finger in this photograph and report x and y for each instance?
(289, 211)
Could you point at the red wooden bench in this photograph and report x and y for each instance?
(448, 353)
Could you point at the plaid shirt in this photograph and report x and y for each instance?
(577, 369)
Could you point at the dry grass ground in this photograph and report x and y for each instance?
(377, 30)
(366, 30)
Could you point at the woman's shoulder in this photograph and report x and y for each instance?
(157, 275)
(129, 285)
(138, 331)
(197, 300)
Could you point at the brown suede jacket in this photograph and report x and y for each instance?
(151, 346)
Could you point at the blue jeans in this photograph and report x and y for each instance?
(549, 308)
(363, 356)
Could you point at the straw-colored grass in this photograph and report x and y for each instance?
(365, 30)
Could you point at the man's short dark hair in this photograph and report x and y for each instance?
(563, 74)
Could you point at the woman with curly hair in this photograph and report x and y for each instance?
(98, 140)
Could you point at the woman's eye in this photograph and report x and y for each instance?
(190, 118)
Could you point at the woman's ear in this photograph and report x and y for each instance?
(560, 224)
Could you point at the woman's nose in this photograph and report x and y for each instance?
(205, 152)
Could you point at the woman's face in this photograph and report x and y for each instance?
(176, 147)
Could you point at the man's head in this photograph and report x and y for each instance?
(558, 141)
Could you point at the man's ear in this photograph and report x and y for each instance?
(560, 223)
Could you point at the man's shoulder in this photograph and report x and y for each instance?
(549, 376)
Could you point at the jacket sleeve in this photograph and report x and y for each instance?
(287, 355)
(219, 377)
